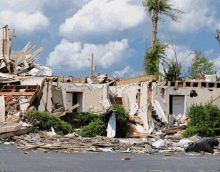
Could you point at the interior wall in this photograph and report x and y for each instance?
(203, 96)
(91, 96)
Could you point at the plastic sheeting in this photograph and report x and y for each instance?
(159, 143)
(112, 126)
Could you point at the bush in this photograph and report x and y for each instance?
(121, 121)
(86, 118)
(46, 121)
(204, 121)
(96, 127)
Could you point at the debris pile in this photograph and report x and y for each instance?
(17, 62)
(72, 143)
(101, 79)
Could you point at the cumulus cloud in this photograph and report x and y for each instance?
(23, 21)
(23, 15)
(121, 73)
(198, 14)
(75, 55)
(103, 16)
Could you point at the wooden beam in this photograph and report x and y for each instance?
(70, 109)
(47, 95)
(12, 38)
(19, 132)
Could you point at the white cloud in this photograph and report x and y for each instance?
(103, 16)
(23, 15)
(23, 21)
(198, 14)
(75, 55)
(122, 72)
(184, 54)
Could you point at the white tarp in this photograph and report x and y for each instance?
(112, 126)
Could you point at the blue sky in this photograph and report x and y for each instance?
(115, 31)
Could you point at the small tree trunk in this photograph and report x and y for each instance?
(154, 28)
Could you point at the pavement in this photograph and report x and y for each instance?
(14, 160)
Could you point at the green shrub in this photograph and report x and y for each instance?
(46, 121)
(91, 122)
(96, 127)
(86, 118)
(121, 121)
(204, 121)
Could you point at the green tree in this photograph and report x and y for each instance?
(150, 63)
(174, 71)
(153, 9)
(200, 64)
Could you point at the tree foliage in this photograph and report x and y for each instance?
(152, 57)
(217, 35)
(164, 8)
(153, 9)
(174, 71)
(200, 64)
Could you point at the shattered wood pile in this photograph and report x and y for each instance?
(16, 62)
(71, 143)
(94, 79)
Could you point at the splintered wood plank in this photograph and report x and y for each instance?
(184, 84)
(70, 109)
(169, 83)
(10, 127)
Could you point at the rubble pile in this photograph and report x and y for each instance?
(17, 62)
(101, 79)
(73, 143)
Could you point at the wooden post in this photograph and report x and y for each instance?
(47, 95)
(92, 65)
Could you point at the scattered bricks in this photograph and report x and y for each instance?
(126, 158)
(132, 132)
(13, 119)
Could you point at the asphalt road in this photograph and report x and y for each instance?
(16, 161)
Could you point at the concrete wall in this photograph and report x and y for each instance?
(93, 96)
(203, 96)
(131, 90)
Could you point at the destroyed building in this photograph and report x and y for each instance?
(27, 86)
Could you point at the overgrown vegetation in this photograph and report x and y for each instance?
(45, 121)
(121, 121)
(204, 121)
(96, 125)
(153, 9)
(95, 128)
(152, 58)
(173, 72)
(200, 64)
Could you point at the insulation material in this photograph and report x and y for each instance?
(112, 126)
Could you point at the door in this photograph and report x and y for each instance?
(178, 105)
